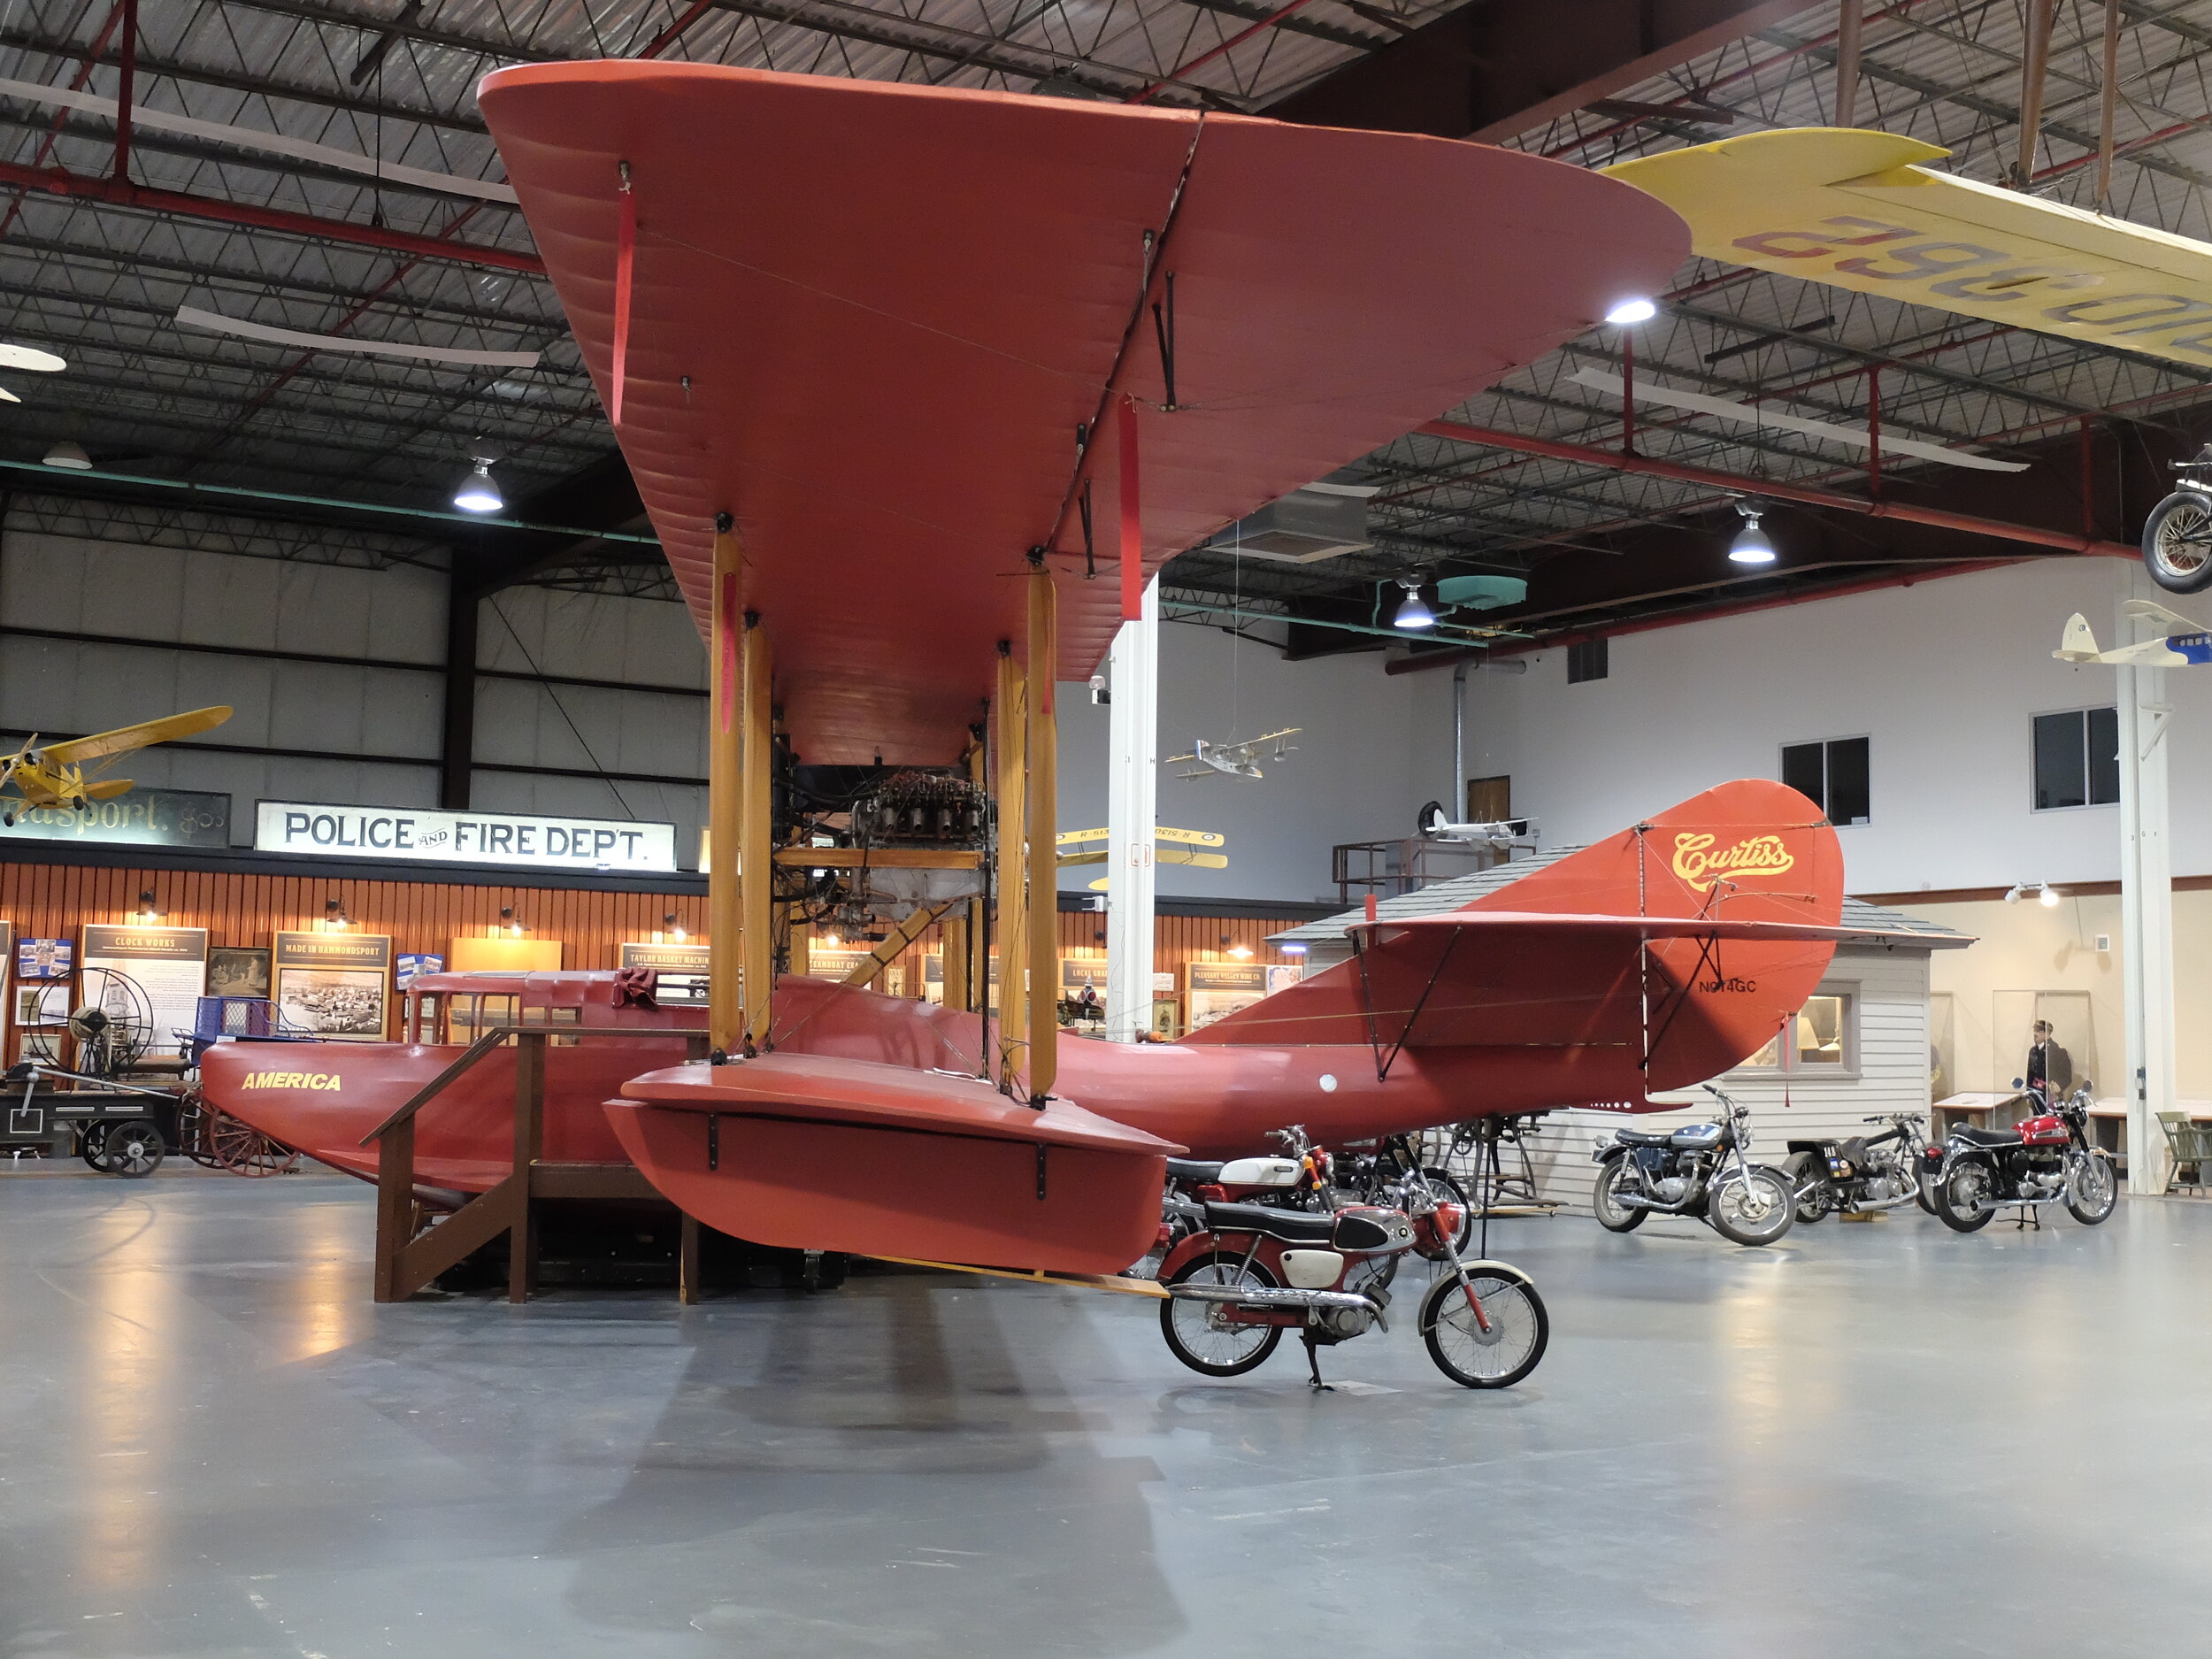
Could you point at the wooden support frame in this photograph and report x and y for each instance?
(409, 1256)
(1041, 860)
(726, 922)
(1010, 785)
(754, 867)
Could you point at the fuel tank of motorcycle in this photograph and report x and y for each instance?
(2043, 1131)
(1369, 1230)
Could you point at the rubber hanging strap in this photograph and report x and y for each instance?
(1131, 513)
(625, 260)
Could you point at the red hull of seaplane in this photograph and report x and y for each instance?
(1662, 956)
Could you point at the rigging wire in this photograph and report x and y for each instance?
(583, 743)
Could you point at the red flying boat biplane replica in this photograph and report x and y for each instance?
(919, 387)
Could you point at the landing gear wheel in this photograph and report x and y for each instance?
(1445, 1187)
(1751, 1206)
(2178, 543)
(132, 1149)
(1614, 1215)
(1198, 1334)
(1958, 1199)
(1471, 1356)
(2092, 1189)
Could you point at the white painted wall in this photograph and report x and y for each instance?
(1358, 773)
(1943, 678)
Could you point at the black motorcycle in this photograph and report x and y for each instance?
(2178, 536)
(2043, 1160)
(1701, 1170)
(1855, 1174)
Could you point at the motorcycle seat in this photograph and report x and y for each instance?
(1198, 1169)
(1640, 1138)
(1987, 1137)
(1293, 1227)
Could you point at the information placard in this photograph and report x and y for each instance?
(334, 985)
(1213, 989)
(682, 970)
(169, 965)
(425, 834)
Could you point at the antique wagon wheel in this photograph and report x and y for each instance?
(196, 1118)
(242, 1149)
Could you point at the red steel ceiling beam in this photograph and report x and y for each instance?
(122, 192)
(1773, 490)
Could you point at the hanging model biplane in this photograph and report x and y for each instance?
(1239, 759)
(2185, 644)
(1863, 211)
(54, 776)
(884, 451)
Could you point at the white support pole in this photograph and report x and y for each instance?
(2147, 899)
(1131, 795)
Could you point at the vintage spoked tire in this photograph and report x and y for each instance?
(242, 1149)
(1751, 1207)
(2178, 543)
(2093, 1188)
(1197, 1334)
(1446, 1189)
(92, 1146)
(1520, 1328)
(1612, 1215)
(1958, 1199)
(132, 1149)
(1812, 1203)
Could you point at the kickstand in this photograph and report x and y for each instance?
(2028, 1216)
(1313, 1361)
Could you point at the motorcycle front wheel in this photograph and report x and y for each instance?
(1751, 1206)
(1198, 1334)
(1471, 1356)
(1614, 1215)
(1958, 1199)
(2092, 1189)
(2178, 543)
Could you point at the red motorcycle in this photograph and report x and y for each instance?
(1239, 1274)
(2044, 1160)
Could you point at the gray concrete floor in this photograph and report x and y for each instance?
(1881, 1438)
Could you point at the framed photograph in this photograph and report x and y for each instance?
(44, 958)
(43, 1002)
(238, 971)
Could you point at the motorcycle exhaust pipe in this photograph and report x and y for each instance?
(1265, 1296)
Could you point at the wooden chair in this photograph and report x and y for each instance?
(2189, 1143)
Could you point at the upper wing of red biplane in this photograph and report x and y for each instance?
(874, 322)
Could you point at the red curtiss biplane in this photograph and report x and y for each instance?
(897, 371)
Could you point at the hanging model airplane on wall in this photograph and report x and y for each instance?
(55, 777)
(1238, 760)
(1200, 848)
(2186, 643)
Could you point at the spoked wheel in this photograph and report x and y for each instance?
(132, 1149)
(242, 1149)
(1201, 1335)
(2092, 1188)
(1605, 1200)
(1812, 1202)
(2178, 543)
(1473, 1357)
(194, 1120)
(1958, 1198)
(1752, 1206)
(93, 1149)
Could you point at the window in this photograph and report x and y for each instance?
(1585, 660)
(1833, 774)
(1821, 1039)
(2076, 758)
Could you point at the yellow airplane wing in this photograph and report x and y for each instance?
(1859, 210)
(1192, 838)
(124, 739)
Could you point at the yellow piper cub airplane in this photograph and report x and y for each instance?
(2186, 643)
(54, 776)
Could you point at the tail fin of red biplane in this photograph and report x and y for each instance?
(1687, 939)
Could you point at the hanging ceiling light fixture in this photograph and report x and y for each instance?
(1412, 612)
(478, 492)
(70, 454)
(1629, 312)
(1751, 546)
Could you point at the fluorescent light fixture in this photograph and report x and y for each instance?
(1290, 950)
(1630, 312)
(1751, 546)
(478, 492)
(1412, 613)
(69, 454)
